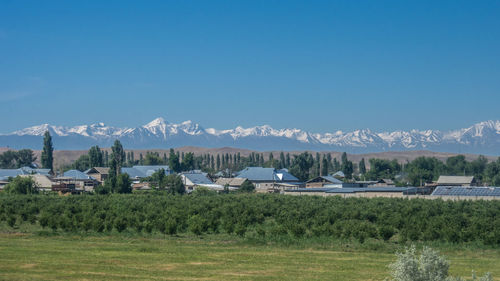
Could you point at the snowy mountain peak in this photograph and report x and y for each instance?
(156, 123)
(483, 137)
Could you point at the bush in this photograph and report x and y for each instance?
(386, 232)
(21, 185)
(428, 266)
(195, 223)
(171, 226)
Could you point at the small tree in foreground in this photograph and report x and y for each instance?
(428, 266)
(21, 185)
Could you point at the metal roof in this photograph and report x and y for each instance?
(466, 191)
(149, 170)
(445, 180)
(5, 174)
(405, 190)
(198, 178)
(133, 173)
(100, 170)
(266, 174)
(339, 174)
(327, 178)
(231, 181)
(29, 170)
(77, 175)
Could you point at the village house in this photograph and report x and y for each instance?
(192, 180)
(270, 179)
(43, 182)
(138, 172)
(80, 180)
(456, 181)
(234, 183)
(322, 181)
(98, 173)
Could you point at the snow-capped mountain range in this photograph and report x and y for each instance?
(483, 137)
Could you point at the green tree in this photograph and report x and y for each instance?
(47, 152)
(123, 184)
(346, 166)
(82, 163)
(25, 157)
(188, 162)
(158, 178)
(324, 166)
(301, 166)
(456, 165)
(247, 186)
(174, 184)
(117, 158)
(152, 159)
(21, 185)
(95, 157)
(282, 160)
(424, 169)
(362, 166)
(173, 161)
(8, 159)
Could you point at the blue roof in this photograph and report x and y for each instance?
(77, 175)
(198, 178)
(466, 191)
(266, 174)
(328, 178)
(29, 170)
(149, 170)
(144, 171)
(406, 190)
(339, 174)
(133, 173)
(5, 174)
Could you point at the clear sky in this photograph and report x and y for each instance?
(316, 65)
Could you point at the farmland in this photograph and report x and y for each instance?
(243, 236)
(124, 257)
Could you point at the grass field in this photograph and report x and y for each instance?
(119, 257)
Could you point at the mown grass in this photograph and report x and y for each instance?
(27, 256)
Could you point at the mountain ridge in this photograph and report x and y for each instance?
(482, 137)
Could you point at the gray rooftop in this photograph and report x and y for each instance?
(328, 178)
(198, 178)
(466, 191)
(149, 170)
(445, 180)
(77, 175)
(144, 171)
(5, 174)
(266, 174)
(404, 190)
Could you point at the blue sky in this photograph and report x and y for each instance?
(315, 65)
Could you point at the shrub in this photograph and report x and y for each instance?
(171, 226)
(386, 232)
(21, 185)
(195, 223)
(428, 266)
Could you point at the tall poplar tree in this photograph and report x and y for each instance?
(95, 156)
(173, 161)
(362, 166)
(324, 166)
(117, 158)
(47, 152)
